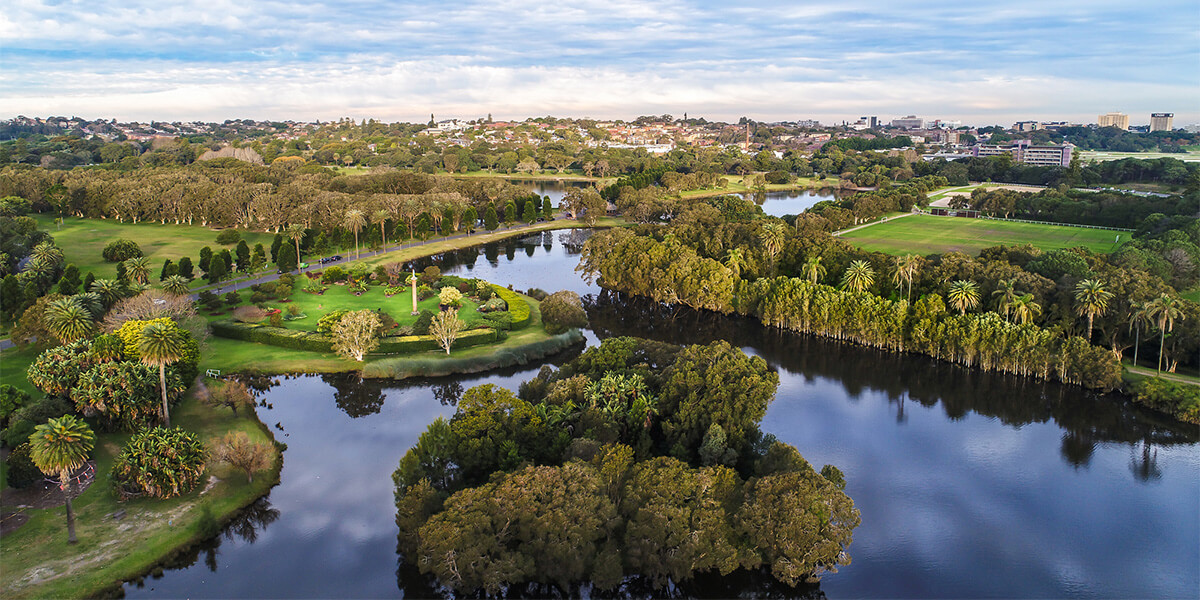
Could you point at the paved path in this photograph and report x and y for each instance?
(1164, 375)
(349, 257)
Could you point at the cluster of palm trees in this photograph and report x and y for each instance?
(1162, 312)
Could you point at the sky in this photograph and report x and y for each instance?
(981, 62)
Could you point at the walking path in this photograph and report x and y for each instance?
(1170, 376)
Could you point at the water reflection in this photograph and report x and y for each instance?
(970, 484)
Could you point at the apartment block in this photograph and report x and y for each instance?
(1114, 119)
(1161, 121)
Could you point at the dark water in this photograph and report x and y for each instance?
(970, 484)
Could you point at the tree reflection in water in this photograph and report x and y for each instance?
(246, 525)
(356, 396)
(1086, 417)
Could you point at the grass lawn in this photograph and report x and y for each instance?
(38, 562)
(13, 365)
(923, 234)
(1104, 155)
(338, 297)
(83, 240)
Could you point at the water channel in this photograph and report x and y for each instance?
(970, 484)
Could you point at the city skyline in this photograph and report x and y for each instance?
(827, 61)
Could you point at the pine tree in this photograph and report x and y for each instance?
(490, 222)
(243, 255)
(69, 284)
(167, 270)
(185, 268)
(206, 255)
(217, 271)
(275, 244)
(286, 258)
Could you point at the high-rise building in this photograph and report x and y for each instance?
(1161, 121)
(1114, 119)
(1027, 126)
(909, 122)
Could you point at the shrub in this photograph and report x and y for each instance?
(25, 419)
(421, 325)
(125, 395)
(562, 311)
(229, 237)
(283, 291)
(424, 292)
(483, 290)
(537, 294)
(358, 287)
(392, 290)
(1179, 400)
(333, 274)
(521, 313)
(276, 319)
(118, 251)
(430, 275)
(326, 323)
(495, 304)
(259, 298)
(57, 370)
(160, 463)
(248, 456)
(294, 310)
(499, 320)
(249, 314)
(450, 297)
(11, 399)
(21, 470)
(233, 299)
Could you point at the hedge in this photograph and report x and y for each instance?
(517, 306)
(402, 368)
(315, 342)
(1180, 400)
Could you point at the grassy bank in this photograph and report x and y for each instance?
(83, 240)
(923, 234)
(38, 562)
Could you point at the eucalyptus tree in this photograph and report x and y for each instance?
(1091, 299)
(858, 277)
(59, 447)
(161, 344)
(963, 295)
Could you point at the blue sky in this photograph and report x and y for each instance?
(980, 62)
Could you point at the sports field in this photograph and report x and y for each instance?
(924, 234)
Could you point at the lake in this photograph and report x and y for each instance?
(969, 484)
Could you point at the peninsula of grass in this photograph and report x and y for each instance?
(121, 541)
(924, 234)
(521, 346)
(82, 241)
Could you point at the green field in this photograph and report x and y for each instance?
(1104, 155)
(923, 234)
(83, 240)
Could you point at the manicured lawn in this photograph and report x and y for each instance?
(38, 562)
(338, 297)
(83, 240)
(13, 365)
(923, 234)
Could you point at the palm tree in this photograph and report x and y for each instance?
(1007, 290)
(1024, 309)
(772, 235)
(381, 216)
(296, 233)
(858, 277)
(176, 285)
(355, 221)
(963, 294)
(161, 344)
(59, 447)
(68, 320)
(1091, 299)
(138, 268)
(813, 270)
(736, 261)
(108, 289)
(906, 271)
(1164, 310)
(1138, 316)
(47, 252)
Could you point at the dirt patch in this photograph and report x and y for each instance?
(40, 495)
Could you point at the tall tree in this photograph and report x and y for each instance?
(772, 236)
(813, 270)
(161, 344)
(1091, 299)
(445, 328)
(355, 220)
(354, 334)
(296, 233)
(735, 260)
(963, 295)
(905, 271)
(1139, 315)
(380, 217)
(60, 447)
(1164, 310)
(1024, 309)
(1007, 291)
(858, 277)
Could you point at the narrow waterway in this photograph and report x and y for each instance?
(969, 484)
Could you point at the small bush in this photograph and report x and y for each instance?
(276, 319)
(259, 298)
(21, 471)
(483, 290)
(333, 274)
(121, 250)
(430, 275)
(537, 294)
(160, 463)
(1179, 400)
(495, 304)
(326, 323)
(233, 299)
(229, 237)
(499, 320)
(424, 292)
(421, 326)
